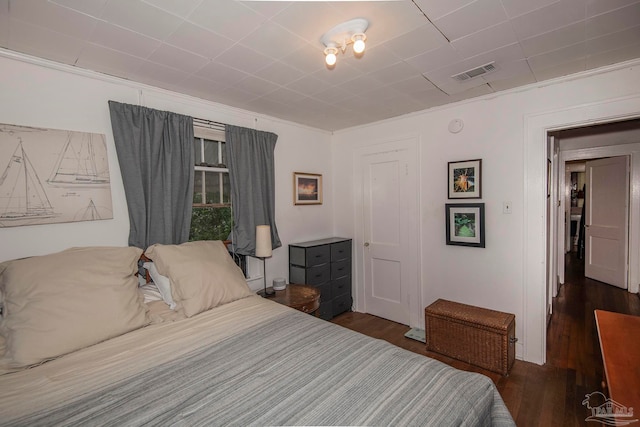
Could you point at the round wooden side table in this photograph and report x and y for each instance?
(301, 297)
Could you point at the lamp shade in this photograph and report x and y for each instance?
(263, 241)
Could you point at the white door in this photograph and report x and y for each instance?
(390, 221)
(606, 220)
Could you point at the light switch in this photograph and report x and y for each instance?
(506, 207)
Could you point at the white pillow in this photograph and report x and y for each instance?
(202, 274)
(150, 293)
(162, 282)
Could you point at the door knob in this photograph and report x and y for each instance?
(366, 244)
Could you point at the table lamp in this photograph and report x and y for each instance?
(263, 251)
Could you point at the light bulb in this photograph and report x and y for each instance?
(330, 59)
(358, 42)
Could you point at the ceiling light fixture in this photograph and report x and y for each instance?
(337, 38)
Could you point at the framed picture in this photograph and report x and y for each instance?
(465, 179)
(307, 188)
(465, 224)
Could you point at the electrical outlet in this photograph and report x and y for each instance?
(506, 207)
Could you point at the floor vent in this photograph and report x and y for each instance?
(475, 72)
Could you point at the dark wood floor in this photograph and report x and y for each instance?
(549, 395)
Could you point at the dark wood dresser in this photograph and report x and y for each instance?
(325, 264)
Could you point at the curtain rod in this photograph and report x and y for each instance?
(210, 124)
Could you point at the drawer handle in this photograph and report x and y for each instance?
(318, 256)
(318, 275)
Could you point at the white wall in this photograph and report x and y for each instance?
(40, 93)
(496, 130)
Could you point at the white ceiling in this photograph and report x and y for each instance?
(265, 56)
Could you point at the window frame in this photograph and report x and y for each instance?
(219, 137)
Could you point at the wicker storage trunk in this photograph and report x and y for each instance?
(478, 336)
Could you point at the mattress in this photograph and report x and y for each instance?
(249, 362)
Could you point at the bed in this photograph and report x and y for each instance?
(217, 358)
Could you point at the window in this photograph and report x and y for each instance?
(211, 218)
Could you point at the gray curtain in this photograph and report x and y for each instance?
(156, 156)
(250, 158)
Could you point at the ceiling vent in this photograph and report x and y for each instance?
(475, 72)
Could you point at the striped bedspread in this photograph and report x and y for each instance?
(252, 362)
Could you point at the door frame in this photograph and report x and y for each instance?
(554, 222)
(536, 128)
(411, 143)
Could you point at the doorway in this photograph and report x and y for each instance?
(575, 179)
(537, 128)
(576, 147)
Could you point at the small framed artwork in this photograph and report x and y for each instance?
(307, 188)
(465, 224)
(465, 179)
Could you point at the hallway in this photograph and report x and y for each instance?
(573, 351)
(549, 395)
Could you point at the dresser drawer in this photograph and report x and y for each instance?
(326, 310)
(340, 269)
(340, 251)
(311, 275)
(318, 274)
(326, 291)
(308, 257)
(297, 274)
(341, 304)
(341, 286)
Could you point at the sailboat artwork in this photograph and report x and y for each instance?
(83, 161)
(78, 187)
(21, 190)
(91, 212)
